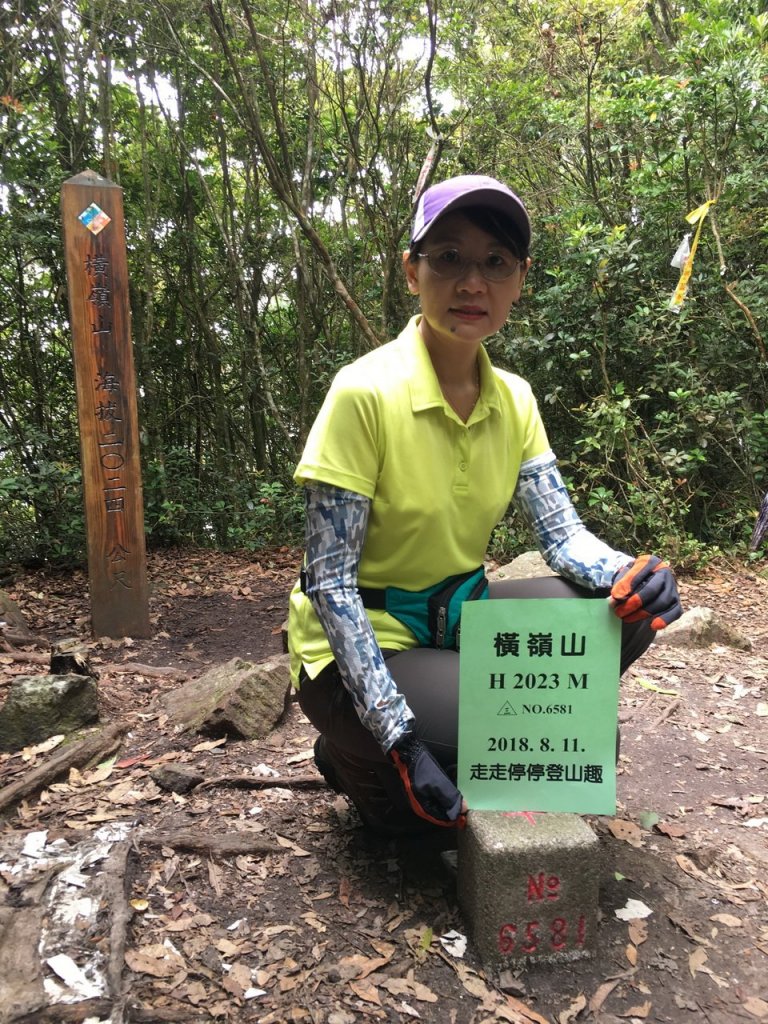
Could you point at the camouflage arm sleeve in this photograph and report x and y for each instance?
(335, 527)
(568, 547)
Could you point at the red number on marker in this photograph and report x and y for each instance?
(507, 937)
(559, 933)
(581, 931)
(531, 937)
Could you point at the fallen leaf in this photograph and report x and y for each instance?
(638, 1011)
(368, 993)
(472, 983)
(573, 1011)
(688, 928)
(314, 922)
(602, 994)
(397, 986)
(374, 964)
(231, 985)
(696, 961)
(673, 831)
(729, 920)
(242, 975)
(406, 1008)
(215, 877)
(195, 992)
(422, 993)
(386, 949)
(288, 844)
(188, 921)
(303, 755)
(525, 1011)
(337, 1017)
(148, 961)
(129, 763)
(627, 831)
(756, 1007)
(344, 891)
(209, 745)
(357, 966)
(638, 932)
(631, 954)
(99, 774)
(691, 869)
(29, 753)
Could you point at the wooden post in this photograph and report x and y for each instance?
(97, 277)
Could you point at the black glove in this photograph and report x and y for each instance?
(646, 589)
(431, 793)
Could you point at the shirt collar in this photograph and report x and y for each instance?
(423, 383)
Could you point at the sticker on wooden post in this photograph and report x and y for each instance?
(97, 279)
(538, 705)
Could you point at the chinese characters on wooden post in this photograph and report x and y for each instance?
(97, 277)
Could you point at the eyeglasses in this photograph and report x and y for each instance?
(450, 264)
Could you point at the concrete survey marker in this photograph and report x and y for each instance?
(528, 886)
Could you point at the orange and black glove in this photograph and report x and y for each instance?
(430, 792)
(646, 589)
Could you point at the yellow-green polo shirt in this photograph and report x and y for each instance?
(437, 485)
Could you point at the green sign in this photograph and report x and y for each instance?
(538, 705)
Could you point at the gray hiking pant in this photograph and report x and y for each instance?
(429, 681)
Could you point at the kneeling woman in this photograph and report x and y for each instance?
(413, 459)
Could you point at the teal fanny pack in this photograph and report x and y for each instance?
(433, 615)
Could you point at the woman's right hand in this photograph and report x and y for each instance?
(430, 792)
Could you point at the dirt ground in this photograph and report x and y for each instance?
(339, 927)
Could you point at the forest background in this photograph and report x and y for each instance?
(269, 154)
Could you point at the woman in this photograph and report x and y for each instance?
(413, 459)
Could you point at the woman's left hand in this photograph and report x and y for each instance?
(646, 589)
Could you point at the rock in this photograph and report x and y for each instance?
(527, 566)
(700, 627)
(528, 887)
(41, 706)
(284, 636)
(13, 628)
(238, 698)
(176, 778)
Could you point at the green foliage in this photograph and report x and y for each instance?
(268, 158)
(42, 516)
(183, 507)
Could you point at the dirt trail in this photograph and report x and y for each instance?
(337, 927)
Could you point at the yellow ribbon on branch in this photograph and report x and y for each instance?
(697, 216)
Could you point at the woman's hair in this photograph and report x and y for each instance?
(494, 223)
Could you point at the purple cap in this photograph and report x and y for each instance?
(469, 190)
